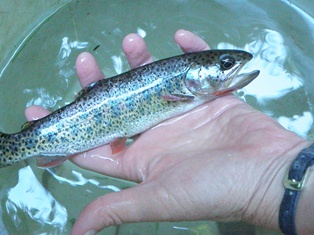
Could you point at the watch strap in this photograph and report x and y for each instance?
(294, 182)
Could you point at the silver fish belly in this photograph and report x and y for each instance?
(128, 104)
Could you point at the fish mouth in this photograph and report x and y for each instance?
(238, 82)
(243, 79)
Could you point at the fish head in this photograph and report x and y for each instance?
(214, 73)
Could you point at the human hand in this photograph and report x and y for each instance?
(221, 161)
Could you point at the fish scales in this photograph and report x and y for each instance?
(122, 106)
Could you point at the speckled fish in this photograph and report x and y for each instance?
(113, 109)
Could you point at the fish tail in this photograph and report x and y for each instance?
(9, 150)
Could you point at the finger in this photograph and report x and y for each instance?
(35, 112)
(142, 203)
(189, 42)
(87, 69)
(136, 51)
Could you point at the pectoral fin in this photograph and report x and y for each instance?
(223, 92)
(50, 161)
(118, 145)
(178, 97)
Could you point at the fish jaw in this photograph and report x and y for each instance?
(243, 79)
(239, 82)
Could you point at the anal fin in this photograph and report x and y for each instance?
(50, 161)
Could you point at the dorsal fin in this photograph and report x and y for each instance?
(27, 125)
(84, 90)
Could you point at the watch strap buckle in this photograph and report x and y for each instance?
(294, 184)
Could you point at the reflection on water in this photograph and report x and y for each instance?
(141, 32)
(274, 82)
(62, 61)
(117, 63)
(43, 73)
(270, 55)
(31, 206)
(81, 181)
(41, 97)
(300, 124)
(30, 198)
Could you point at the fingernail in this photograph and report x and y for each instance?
(91, 232)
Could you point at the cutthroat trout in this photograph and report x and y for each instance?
(113, 109)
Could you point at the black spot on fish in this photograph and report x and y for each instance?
(84, 116)
(59, 127)
(30, 143)
(115, 109)
(129, 103)
(146, 95)
(64, 139)
(98, 118)
(89, 130)
(107, 123)
(51, 137)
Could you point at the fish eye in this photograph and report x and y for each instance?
(226, 62)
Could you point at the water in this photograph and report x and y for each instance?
(42, 72)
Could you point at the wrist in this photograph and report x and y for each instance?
(264, 206)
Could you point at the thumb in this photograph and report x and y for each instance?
(142, 203)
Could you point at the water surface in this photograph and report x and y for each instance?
(41, 71)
